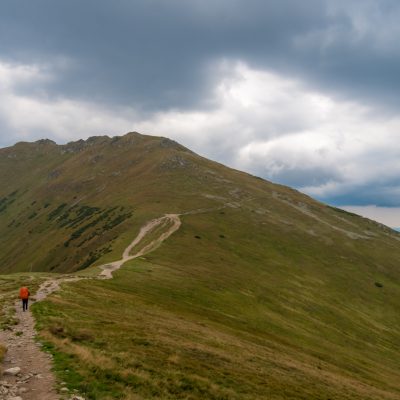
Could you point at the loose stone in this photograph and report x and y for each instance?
(12, 371)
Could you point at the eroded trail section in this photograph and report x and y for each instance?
(170, 222)
(30, 375)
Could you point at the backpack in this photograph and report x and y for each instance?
(24, 293)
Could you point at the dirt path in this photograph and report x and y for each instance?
(172, 219)
(35, 379)
(32, 379)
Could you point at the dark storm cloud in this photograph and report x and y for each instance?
(159, 54)
(152, 53)
(385, 194)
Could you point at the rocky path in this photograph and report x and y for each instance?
(27, 369)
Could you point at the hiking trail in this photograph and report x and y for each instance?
(27, 369)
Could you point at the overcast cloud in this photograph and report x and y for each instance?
(302, 93)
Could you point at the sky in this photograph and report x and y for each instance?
(303, 93)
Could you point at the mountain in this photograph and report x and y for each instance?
(263, 292)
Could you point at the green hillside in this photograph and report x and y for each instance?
(263, 292)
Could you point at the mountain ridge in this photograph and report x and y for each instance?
(85, 171)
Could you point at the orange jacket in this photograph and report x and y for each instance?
(24, 293)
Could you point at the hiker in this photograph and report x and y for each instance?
(24, 296)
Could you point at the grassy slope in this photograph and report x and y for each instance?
(273, 296)
(46, 189)
(251, 326)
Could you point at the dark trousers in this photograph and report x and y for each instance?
(24, 304)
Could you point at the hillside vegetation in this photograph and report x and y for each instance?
(263, 293)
